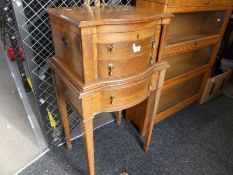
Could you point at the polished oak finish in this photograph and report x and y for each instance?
(189, 44)
(105, 61)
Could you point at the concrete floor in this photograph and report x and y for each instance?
(18, 145)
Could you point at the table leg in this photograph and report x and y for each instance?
(151, 112)
(89, 141)
(63, 112)
(118, 117)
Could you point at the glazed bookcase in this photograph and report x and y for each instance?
(191, 42)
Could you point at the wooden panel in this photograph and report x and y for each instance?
(193, 2)
(188, 2)
(190, 26)
(92, 16)
(124, 67)
(222, 2)
(186, 62)
(68, 48)
(179, 93)
(179, 48)
(183, 2)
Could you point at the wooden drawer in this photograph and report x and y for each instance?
(125, 67)
(119, 50)
(180, 92)
(117, 97)
(129, 55)
(195, 25)
(181, 64)
(114, 37)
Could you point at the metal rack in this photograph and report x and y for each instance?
(32, 25)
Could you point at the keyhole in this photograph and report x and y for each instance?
(137, 36)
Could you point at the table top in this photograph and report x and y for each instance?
(92, 16)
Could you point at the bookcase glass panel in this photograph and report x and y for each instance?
(190, 26)
(187, 62)
(180, 92)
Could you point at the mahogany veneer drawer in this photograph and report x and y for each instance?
(187, 62)
(128, 95)
(180, 92)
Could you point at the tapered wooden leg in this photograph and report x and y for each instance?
(63, 112)
(89, 141)
(151, 112)
(118, 117)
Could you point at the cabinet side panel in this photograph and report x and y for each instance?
(68, 47)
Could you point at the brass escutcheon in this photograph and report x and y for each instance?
(110, 47)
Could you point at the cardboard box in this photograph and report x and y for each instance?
(215, 85)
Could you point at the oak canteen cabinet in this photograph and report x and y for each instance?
(189, 45)
(105, 61)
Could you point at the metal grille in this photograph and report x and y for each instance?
(12, 39)
(37, 40)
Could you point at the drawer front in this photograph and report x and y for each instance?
(124, 67)
(125, 96)
(114, 37)
(125, 54)
(195, 25)
(181, 64)
(125, 50)
(180, 92)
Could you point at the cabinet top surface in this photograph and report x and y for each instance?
(91, 16)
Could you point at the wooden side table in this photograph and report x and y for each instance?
(105, 61)
(127, 93)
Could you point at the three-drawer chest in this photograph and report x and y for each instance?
(106, 60)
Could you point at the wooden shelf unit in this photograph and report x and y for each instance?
(190, 44)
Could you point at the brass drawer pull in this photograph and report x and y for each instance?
(153, 43)
(110, 47)
(151, 59)
(65, 42)
(149, 85)
(110, 68)
(112, 97)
